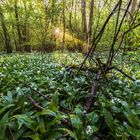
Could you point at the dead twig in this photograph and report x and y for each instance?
(36, 91)
(11, 134)
(40, 108)
(35, 104)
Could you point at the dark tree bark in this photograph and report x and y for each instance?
(18, 48)
(44, 48)
(93, 93)
(84, 19)
(25, 32)
(91, 20)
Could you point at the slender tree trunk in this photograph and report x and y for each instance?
(8, 45)
(18, 48)
(70, 15)
(25, 31)
(64, 26)
(84, 19)
(14, 37)
(75, 17)
(44, 35)
(91, 20)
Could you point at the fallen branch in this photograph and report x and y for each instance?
(35, 104)
(11, 134)
(93, 93)
(40, 108)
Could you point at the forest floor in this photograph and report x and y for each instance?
(40, 98)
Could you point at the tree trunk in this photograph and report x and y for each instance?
(25, 31)
(64, 24)
(8, 45)
(46, 26)
(91, 20)
(70, 15)
(84, 19)
(133, 7)
(17, 26)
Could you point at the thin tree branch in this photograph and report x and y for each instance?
(36, 91)
(35, 104)
(121, 71)
(98, 37)
(111, 53)
(11, 134)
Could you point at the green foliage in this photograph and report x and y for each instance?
(114, 116)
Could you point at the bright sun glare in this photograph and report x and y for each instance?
(57, 30)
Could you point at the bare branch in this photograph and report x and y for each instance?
(36, 91)
(98, 37)
(121, 71)
(35, 104)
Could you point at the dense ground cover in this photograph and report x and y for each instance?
(41, 99)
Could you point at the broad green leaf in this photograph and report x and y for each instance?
(41, 126)
(130, 115)
(47, 112)
(27, 121)
(132, 118)
(108, 118)
(33, 136)
(56, 120)
(92, 118)
(135, 132)
(54, 102)
(3, 125)
(54, 134)
(73, 135)
(75, 121)
(9, 97)
(20, 132)
(6, 107)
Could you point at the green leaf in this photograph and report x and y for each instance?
(27, 121)
(73, 135)
(108, 118)
(54, 134)
(75, 121)
(130, 115)
(41, 126)
(56, 120)
(33, 136)
(132, 118)
(54, 102)
(92, 118)
(47, 112)
(9, 97)
(133, 131)
(3, 125)
(20, 133)
(5, 108)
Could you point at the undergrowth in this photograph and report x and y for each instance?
(25, 78)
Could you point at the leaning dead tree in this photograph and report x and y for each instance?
(103, 68)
